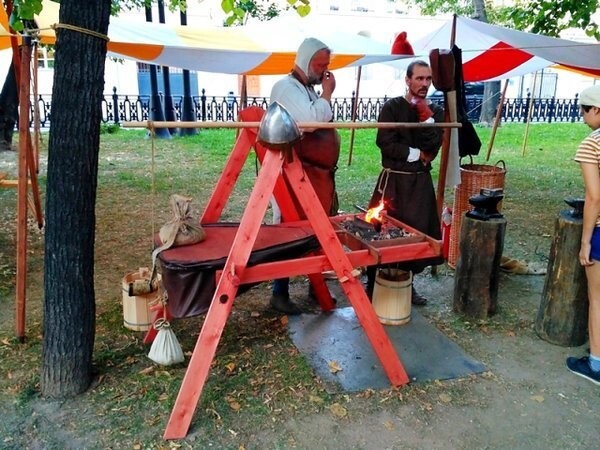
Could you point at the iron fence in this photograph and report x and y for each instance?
(118, 108)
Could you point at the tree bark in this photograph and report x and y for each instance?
(562, 317)
(73, 146)
(9, 111)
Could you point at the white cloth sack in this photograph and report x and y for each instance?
(165, 349)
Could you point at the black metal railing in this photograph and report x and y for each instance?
(131, 108)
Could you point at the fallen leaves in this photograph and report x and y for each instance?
(334, 367)
(338, 410)
(445, 398)
(315, 399)
(230, 367)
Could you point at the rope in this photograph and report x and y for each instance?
(153, 186)
(66, 26)
(383, 181)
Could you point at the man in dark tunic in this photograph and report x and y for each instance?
(405, 183)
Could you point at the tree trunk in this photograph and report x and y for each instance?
(491, 90)
(73, 146)
(9, 110)
(490, 102)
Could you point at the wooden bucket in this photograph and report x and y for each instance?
(136, 308)
(392, 296)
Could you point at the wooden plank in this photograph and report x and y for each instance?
(11, 183)
(302, 125)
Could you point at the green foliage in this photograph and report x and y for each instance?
(537, 16)
(434, 7)
(23, 10)
(238, 11)
(550, 18)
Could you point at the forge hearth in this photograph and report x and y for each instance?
(382, 234)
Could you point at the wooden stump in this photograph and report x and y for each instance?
(478, 267)
(563, 313)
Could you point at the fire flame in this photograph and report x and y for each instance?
(373, 213)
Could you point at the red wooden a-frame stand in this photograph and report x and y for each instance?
(235, 272)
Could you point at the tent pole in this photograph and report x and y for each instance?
(497, 120)
(529, 115)
(449, 114)
(36, 109)
(354, 108)
(244, 92)
(21, 284)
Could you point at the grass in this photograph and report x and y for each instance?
(258, 378)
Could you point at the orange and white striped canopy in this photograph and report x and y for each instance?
(264, 49)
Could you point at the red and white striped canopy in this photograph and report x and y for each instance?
(491, 52)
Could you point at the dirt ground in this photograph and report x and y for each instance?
(526, 399)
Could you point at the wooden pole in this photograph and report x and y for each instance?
(163, 124)
(529, 115)
(244, 92)
(496, 120)
(22, 190)
(354, 108)
(36, 110)
(449, 114)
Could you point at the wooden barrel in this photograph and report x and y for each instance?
(392, 296)
(136, 308)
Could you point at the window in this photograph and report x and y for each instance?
(45, 57)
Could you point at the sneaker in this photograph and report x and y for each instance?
(282, 303)
(581, 367)
(417, 299)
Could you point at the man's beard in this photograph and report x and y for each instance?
(313, 78)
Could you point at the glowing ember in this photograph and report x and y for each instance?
(373, 213)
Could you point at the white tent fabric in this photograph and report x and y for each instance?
(263, 49)
(491, 52)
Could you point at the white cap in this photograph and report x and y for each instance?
(306, 51)
(590, 96)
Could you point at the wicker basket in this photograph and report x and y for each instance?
(473, 178)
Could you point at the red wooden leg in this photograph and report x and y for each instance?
(347, 275)
(321, 291)
(231, 172)
(222, 302)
